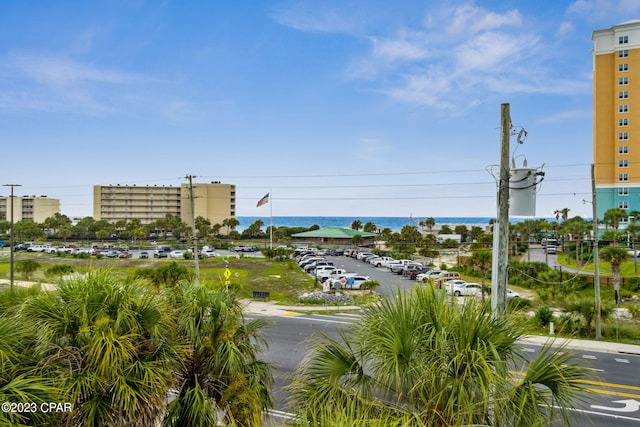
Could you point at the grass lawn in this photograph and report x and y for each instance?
(627, 268)
(282, 279)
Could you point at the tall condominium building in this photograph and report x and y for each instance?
(616, 118)
(34, 208)
(215, 202)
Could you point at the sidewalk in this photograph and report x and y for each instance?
(587, 345)
(270, 308)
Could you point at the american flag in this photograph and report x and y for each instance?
(263, 201)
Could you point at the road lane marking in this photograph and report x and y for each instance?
(604, 414)
(622, 360)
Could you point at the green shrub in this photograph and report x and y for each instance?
(58, 270)
(544, 315)
(519, 304)
(369, 285)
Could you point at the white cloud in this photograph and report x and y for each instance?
(565, 116)
(565, 27)
(470, 19)
(602, 10)
(371, 149)
(314, 17)
(50, 70)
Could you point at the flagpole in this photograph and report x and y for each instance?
(270, 219)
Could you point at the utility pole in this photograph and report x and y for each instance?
(11, 236)
(501, 234)
(596, 272)
(193, 229)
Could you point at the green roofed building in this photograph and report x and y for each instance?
(334, 236)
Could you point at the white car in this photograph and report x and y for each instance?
(512, 294)
(349, 282)
(324, 269)
(383, 261)
(208, 254)
(551, 250)
(455, 283)
(466, 289)
(176, 254)
(425, 277)
(331, 274)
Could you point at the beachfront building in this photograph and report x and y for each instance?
(338, 236)
(33, 208)
(215, 202)
(616, 124)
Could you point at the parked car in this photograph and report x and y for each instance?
(111, 254)
(124, 254)
(402, 262)
(396, 268)
(245, 248)
(382, 261)
(428, 275)
(144, 254)
(455, 283)
(162, 252)
(512, 294)
(466, 289)
(22, 246)
(363, 254)
(350, 282)
(39, 248)
(331, 274)
(445, 276)
(312, 266)
(323, 269)
(60, 249)
(208, 254)
(308, 261)
(412, 270)
(176, 254)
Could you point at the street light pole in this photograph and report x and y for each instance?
(11, 236)
(596, 273)
(501, 232)
(193, 230)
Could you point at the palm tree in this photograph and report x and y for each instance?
(356, 225)
(634, 230)
(108, 346)
(27, 267)
(615, 256)
(482, 261)
(416, 360)
(614, 216)
(221, 370)
(430, 223)
(230, 223)
(370, 227)
(21, 378)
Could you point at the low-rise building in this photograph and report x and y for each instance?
(34, 208)
(214, 201)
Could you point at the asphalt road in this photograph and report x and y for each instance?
(613, 398)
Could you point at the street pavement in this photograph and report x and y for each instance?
(273, 309)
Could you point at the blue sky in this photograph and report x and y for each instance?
(338, 108)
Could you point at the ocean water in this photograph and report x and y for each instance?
(394, 223)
